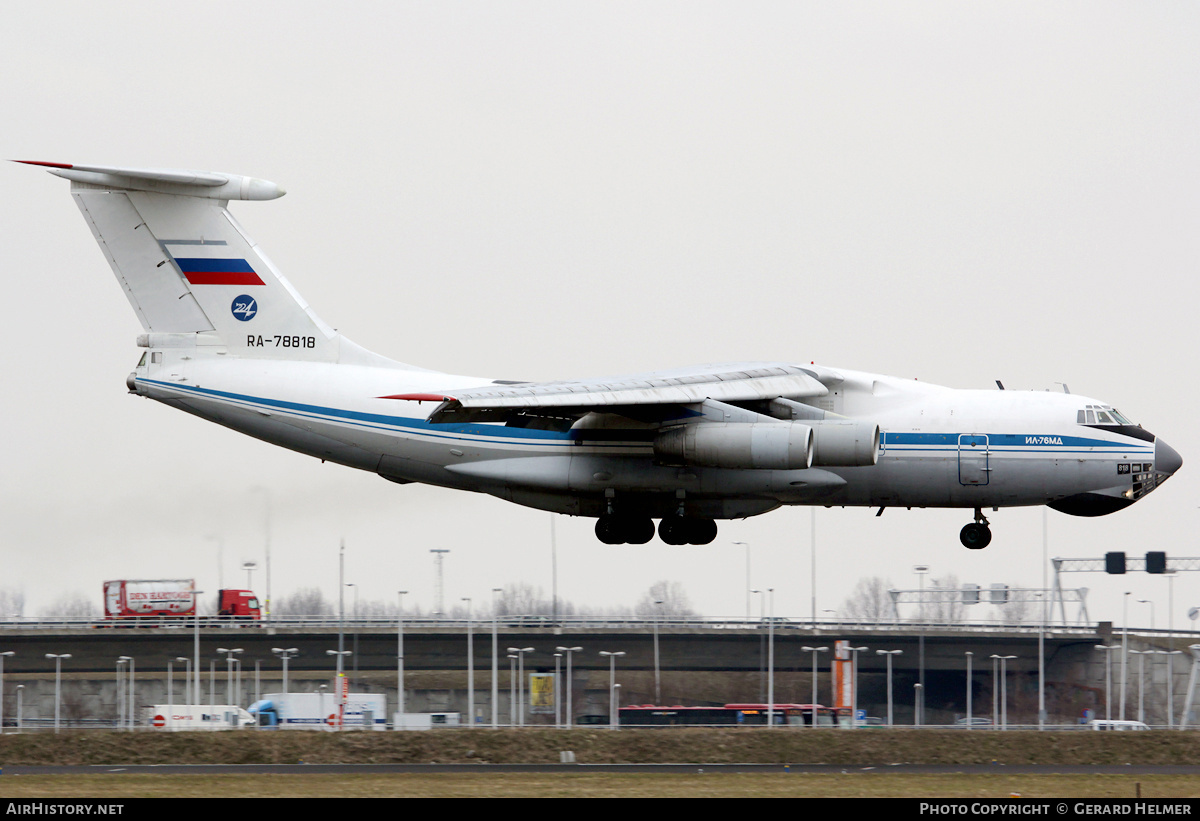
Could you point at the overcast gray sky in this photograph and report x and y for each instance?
(955, 192)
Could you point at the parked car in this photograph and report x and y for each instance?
(975, 721)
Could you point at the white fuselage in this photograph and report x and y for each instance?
(939, 447)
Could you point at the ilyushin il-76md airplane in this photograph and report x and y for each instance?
(228, 338)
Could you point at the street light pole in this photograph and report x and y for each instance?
(889, 654)
(470, 667)
(1141, 654)
(520, 651)
(1108, 648)
(2, 657)
(119, 682)
(1171, 687)
(439, 554)
(400, 657)
(854, 651)
(196, 646)
(1124, 649)
(970, 655)
(657, 681)
(814, 651)
(285, 654)
(495, 660)
(1003, 690)
(512, 690)
(128, 695)
(58, 657)
(229, 654)
(612, 686)
(771, 659)
(568, 651)
(557, 690)
(921, 570)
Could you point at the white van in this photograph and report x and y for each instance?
(1101, 724)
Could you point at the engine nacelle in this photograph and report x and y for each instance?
(844, 443)
(752, 445)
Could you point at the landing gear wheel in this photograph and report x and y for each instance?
(687, 530)
(614, 529)
(702, 531)
(672, 530)
(975, 536)
(608, 530)
(639, 529)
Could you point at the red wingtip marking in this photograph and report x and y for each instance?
(47, 164)
(418, 397)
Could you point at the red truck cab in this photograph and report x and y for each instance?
(238, 604)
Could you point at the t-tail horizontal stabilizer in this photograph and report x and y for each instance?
(207, 184)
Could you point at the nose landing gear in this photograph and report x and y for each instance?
(976, 535)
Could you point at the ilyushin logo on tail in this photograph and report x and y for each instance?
(244, 308)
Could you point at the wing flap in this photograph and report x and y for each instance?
(732, 384)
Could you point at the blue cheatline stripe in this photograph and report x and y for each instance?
(380, 421)
(1009, 442)
(197, 265)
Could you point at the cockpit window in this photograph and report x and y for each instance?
(1100, 415)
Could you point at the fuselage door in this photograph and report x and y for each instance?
(973, 466)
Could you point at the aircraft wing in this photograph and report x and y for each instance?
(731, 383)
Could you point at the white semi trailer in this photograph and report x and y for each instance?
(196, 717)
(317, 711)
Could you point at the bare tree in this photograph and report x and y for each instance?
(523, 599)
(74, 605)
(870, 600)
(1017, 611)
(943, 600)
(12, 602)
(673, 597)
(307, 601)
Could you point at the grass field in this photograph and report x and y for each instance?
(732, 745)
(590, 785)
(696, 746)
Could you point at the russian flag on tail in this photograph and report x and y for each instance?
(218, 271)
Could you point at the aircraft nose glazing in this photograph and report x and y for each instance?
(1166, 459)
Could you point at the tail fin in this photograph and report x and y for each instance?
(186, 265)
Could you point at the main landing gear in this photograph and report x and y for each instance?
(614, 528)
(687, 530)
(632, 525)
(976, 535)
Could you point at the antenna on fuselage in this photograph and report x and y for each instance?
(999, 384)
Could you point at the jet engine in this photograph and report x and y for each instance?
(771, 445)
(845, 443)
(754, 445)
